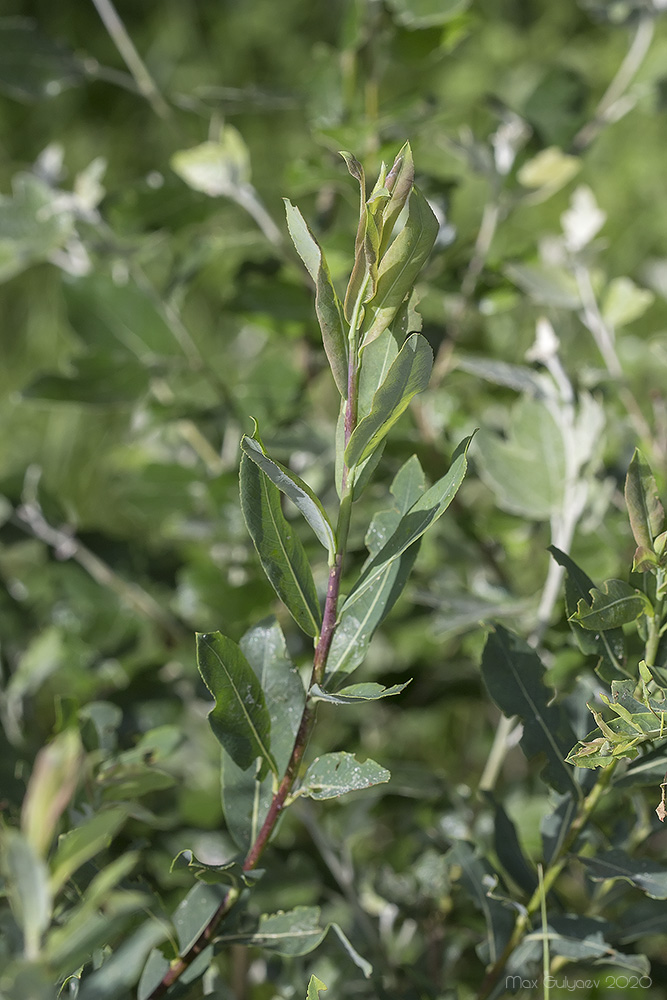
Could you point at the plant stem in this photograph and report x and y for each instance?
(554, 869)
(329, 617)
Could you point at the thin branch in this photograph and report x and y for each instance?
(137, 67)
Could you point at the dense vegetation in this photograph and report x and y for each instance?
(152, 305)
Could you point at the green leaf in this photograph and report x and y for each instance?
(578, 939)
(95, 379)
(27, 886)
(190, 918)
(508, 848)
(646, 513)
(647, 875)
(246, 799)
(400, 266)
(292, 932)
(120, 972)
(526, 470)
(412, 525)
(83, 842)
(476, 875)
(408, 375)
(513, 675)
(280, 551)
(52, 784)
(417, 14)
(614, 604)
(327, 304)
(153, 973)
(298, 492)
(314, 987)
(33, 66)
(334, 774)
(624, 302)
(356, 693)
(215, 168)
(547, 286)
(609, 644)
(399, 182)
(359, 618)
(240, 719)
(376, 360)
(231, 873)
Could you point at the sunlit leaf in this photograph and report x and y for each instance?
(334, 774)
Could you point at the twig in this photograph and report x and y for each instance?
(137, 67)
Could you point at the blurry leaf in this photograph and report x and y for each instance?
(646, 513)
(95, 379)
(547, 286)
(608, 644)
(327, 304)
(579, 939)
(624, 302)
(42, 656)
(417, 14)
(513, 675)
(153, 973)
(33, 225)
(55, 776)
(128, 782)
(334, 774)
(216, 168)
(246, 800)
(280, 551)
(408, 375)
(298, 492)
(613, 605)
(647, 875)
(556, 825)
(557, 105)
(356, 693)
(551, 169)
(120, 972)
(509, 850)
(526, 470)
(27, 887)
(83, 842)
(33, 66)
(518, 377)
(240, 719)
(400, 266)
(314, 987)
(478, 878)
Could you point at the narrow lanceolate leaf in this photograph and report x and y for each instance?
(646, 513)
(334, 774)
(400, 266)
(298, 492)
(412, 525)
(360, 617)
(281, 553)
(240, 719)
(399, 182)
(513, 674)
(356, 694)
(408, 375)
(246, 799)
(327, 304)
(647, 875)
(614, 604)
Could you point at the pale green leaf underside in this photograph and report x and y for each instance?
(296, 490)
(334, 774)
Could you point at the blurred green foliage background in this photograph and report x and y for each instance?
(151, 305)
